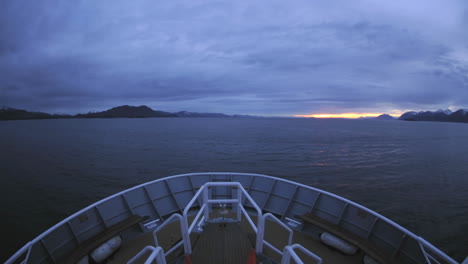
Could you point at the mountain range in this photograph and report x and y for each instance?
(385, 117)
(124, 111)
(460, 115)
(7, 113)
(382, 117)
(143, 111)
(127, 111)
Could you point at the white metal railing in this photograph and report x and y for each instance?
(425, 246)
(23, 255)
(157, 253)
(206, 208)
(283, 225)
(289, 253)
(183, 230)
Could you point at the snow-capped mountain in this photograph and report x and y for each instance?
(440, 116)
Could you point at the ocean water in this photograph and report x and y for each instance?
(415, 173)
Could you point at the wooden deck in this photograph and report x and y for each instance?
(222, 244)
(231, 244)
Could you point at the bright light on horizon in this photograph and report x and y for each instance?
(345, 115)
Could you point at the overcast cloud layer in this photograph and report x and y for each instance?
(248, 57)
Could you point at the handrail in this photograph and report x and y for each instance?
(249, 220)
(185, 234)
(27, 247)
(429, 258)
(240, 194)
(157, 253)
(289, 253)
(283, 225)
(195, 220)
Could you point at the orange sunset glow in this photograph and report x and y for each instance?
(344, 115)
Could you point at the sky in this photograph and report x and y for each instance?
(265, 57)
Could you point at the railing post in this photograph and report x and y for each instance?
(424, 252)
(239, 204)
(288, 254)
(283, 225)
(157, 254)
(183, 229)
(186, 236)
(260, 234)
(205, 201)
(286, 257)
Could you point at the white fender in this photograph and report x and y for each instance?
(338, 243)
(106, 249)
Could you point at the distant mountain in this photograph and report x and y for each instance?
(194, 114)
(438, 116)
(7, 113)
(124, 111)
(408, 116)
(252, 116)
(385, 117)
(459, 116)
(128, 112)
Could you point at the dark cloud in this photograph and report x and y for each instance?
(264, 57)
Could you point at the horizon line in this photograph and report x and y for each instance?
(352, 115)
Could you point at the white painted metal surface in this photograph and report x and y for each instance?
(205, 209)
(269, 216)
(259, 229)
(157, 254)
(163, 197)
(183, 230)
(289, 253)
